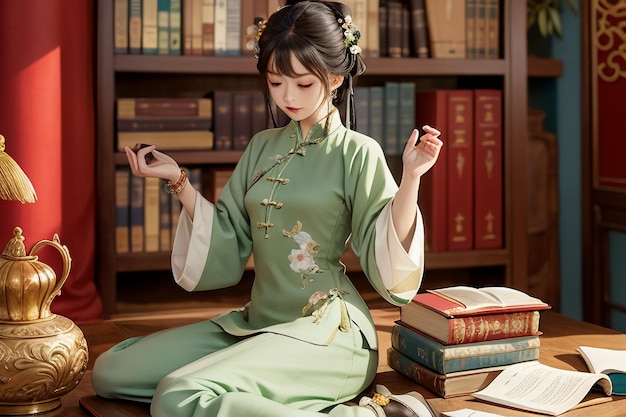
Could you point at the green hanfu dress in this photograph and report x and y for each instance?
(305, 341)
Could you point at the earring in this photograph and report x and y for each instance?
(334, 94)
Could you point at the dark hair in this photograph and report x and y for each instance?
(310, 30)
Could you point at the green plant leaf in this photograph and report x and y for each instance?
(556, 21)
(542, 22)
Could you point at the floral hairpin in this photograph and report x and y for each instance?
(260, 27)
(351, 34)
(260, 24)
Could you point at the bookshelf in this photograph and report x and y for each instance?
(123, 75)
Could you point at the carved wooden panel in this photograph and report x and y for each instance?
(604, 148)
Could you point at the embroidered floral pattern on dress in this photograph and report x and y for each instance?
(302, 260)
(318, 303)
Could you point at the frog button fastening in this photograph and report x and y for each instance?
(265, 202)
(283, 181)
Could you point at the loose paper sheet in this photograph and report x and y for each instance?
(542, 389)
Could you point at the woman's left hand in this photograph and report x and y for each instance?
(420, 154)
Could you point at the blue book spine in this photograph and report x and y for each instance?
(406, 111)
(453, 358)
(361, 109)
(392, 118)
(377, 114)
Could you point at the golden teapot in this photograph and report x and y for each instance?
(43, 356)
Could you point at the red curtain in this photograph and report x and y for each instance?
(47, 119)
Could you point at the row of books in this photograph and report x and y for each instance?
(389, 28)
(461, 196)
(224, 120)
(147, 216)
(456, 340)
(189, 27)
(438, 29)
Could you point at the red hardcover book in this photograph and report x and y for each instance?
(460, 134)
(431, 108)
(463, 314)
(487, 169)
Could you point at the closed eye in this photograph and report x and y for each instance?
(306, 85)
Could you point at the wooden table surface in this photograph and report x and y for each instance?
(561, 336)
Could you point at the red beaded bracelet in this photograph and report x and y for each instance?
(180, 184)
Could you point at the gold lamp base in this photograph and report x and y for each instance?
(27, 410)
(43, 356)
(41, 361)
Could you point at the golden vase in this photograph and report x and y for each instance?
(43, 356)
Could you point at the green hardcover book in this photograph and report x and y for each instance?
(163, 27)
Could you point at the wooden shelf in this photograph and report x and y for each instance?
(544, 67)
(247, 65)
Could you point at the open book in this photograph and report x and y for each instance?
(462, 300)
(542, 389)
(468, 299)
(607, 361)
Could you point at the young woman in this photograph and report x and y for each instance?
(305, 343)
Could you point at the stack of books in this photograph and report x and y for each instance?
(454, 341)
(170, 123)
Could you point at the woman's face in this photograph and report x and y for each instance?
(303, 97)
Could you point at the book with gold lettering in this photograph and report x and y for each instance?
(462, 314)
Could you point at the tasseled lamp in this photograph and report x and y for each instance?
(43, 355)
(14, 184)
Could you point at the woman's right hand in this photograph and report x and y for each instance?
(161, 165)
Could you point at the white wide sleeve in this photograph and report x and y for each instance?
(400, 271)
(191, 244)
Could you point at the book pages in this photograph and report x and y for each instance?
(541, 389)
